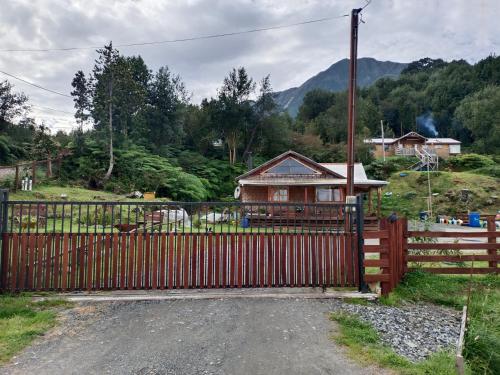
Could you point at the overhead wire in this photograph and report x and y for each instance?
(180, 40)
(34, 84)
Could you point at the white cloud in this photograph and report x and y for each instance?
(396, 30)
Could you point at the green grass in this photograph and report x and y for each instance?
(409, 193)
(365, 346)
(482, 341)
(53, 193)
(22, 320)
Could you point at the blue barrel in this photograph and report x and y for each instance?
(474, 220)
(245, 223)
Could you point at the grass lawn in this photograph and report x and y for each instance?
(22, 320)
(53, 193)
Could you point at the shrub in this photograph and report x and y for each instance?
(467, 162)
(381, 170)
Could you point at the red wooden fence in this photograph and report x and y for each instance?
(62, 261)
(389, 254)
(431, 252)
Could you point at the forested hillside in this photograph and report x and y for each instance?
(143, 132)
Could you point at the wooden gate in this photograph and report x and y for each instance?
(150, 252)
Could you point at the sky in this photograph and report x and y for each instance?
(394, 30)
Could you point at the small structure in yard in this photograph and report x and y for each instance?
(294, 178)
(412, 143)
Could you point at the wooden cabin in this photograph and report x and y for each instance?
(410, 143)
(293, 178)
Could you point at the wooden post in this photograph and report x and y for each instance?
(384, 255)
(379, 201)
(33, 172)
(492, 239)
(459, 360)
(370, 205)
(305, 201)
(16, 178)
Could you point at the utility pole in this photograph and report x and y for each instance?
(352, 104)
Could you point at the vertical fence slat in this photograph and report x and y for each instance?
(255, 239)
(48, 262)
(57, 254)
(283, 258)
(23, 262)
(341, 249)
(114, 257)
(210, 261)
(90, 261)
(98, 260)
(81, 265)
(170, 257)
(194, 258)
(74, 257)
(107, 251)
(40, 243)
(320, 249)
(202, 261)
(218, 251)
(232, 261)
(139, 263)
(306, 259)
(292, 254)
(300, 239)
(154, 268)
(31, 260)
(246, 282)
(314, 260)
(123, 259)
(186, 261)
(131, 259)
(65, 262)
(239, 281)
(262, 245)
(328, 261)
(13, 265)
(147, 261)
(178, 263)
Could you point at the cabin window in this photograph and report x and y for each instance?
(328, 195)
(280, 194)
(290, 166)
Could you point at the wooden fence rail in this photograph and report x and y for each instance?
(432, 251)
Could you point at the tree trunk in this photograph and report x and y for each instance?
(250, 141)
(49, 166)
(111, 156)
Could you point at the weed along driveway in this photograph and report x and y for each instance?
(204, 336)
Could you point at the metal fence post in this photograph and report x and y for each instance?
(363, 287)
(4, 198)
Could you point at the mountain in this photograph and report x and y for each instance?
(335, 78)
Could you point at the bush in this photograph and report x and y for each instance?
(467, 162)
(492, 171)
(382, 170)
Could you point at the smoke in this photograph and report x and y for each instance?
(426, 125)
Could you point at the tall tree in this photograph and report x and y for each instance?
(234, 108)
(11, 104)
(263, 109)
(44, 147)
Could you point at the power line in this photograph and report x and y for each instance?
(35, 85)
(188, 39)
(51, 109)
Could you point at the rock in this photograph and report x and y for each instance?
(413, 331)
(135, 194)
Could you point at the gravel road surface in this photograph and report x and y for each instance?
(226, 336)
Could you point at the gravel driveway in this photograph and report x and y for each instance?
(229, 336)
